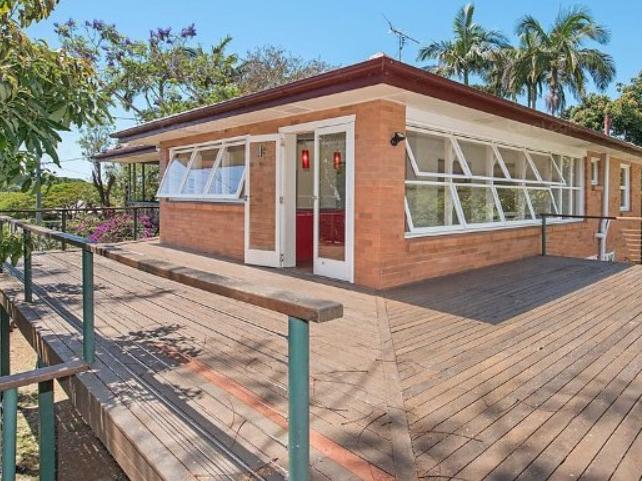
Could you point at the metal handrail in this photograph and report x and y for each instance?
(607, 218)
(65, 211)
(301, 310)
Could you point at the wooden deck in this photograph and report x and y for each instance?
(530, 370)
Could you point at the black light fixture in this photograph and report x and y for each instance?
(396, 138)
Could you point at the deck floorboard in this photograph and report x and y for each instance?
(530, 370)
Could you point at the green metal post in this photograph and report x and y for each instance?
(47, 429)
(543, 235)
(26, 256)
(142, 184)
(298, 399)
(88, 306)
(135, 210)
(1, 237)
(5, 362)
(63, 226)
(9, 431)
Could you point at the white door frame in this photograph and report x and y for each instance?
(256, 256)
(336, 269)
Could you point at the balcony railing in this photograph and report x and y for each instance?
(300, 310)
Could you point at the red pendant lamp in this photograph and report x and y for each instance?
(305, 159)
(336, 160)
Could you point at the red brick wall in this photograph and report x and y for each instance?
(383, 256)
(203, 227)
(262, 200)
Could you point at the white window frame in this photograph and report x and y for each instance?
(595, 171)
(222, 146)
(523, 185)
(625, 190)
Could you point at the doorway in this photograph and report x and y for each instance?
(319, 197)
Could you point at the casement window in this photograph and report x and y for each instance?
(207, 172)
(595, 171)
(625, 187)
(457, 184)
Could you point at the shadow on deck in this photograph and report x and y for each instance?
(498, 293)
(531, 368)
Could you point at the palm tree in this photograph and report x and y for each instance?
(467, 53)
(558, 58)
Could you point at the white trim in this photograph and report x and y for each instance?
(343, 270)
(625, 190)
(480, 131)
(256, 256)
(310, 126)
(526, 187)
(595, 170)
(222, 146)
(457, 229)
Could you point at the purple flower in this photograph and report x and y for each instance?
(163, 33)
(189, 31)
(70, 23)
(98, 24)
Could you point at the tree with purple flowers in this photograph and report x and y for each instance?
(163, 74)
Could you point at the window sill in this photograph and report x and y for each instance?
(173, 200)
(487, 228)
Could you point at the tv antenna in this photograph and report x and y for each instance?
(402, 37)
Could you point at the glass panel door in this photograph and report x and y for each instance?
(333, 201)
(262, 205)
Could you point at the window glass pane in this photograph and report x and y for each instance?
(567, 167)
(544, 165)
(230, 172)
(332, 196)
(517, 164)
(431, 205)
(595, 172)
(541, 201)
(514, 204)
(481, 159)
(429, 151)
(478, 204)
(563, 198)
(199, 171)
(576, 194)
(623, 176)
(433, 153)
(175, 173)
(577, 171)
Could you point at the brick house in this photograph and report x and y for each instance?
(383, 174)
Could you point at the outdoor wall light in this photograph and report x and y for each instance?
(336, 160)
(397, 137)
(305, 159)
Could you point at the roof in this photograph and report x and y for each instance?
(381, 70)
(127, 154)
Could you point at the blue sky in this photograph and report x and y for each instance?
(340, 32)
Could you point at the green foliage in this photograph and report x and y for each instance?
(269, 66)
(57, 195)
(92, 141)
(70, 194)
(16, 200)
(625, 111)
(558, 57)
(554, 61)
(590, 111)
(42, 92)
(467, 53)
(10, 246)
(161, 75)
